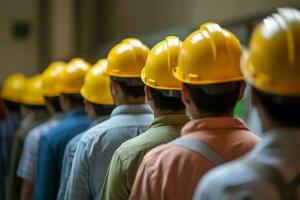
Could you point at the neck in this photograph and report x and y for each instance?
(73, 108)
(159, 113)
(199, 115)
(131, 101)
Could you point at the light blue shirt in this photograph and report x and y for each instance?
(68, 159)
(278, 148)
(97, 146)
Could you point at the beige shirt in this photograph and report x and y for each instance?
(172, 172)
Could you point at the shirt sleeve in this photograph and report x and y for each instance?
(66, 169)
(115, 182)
(78, 186)
(146, 185)
(47, 172)
(27, 164)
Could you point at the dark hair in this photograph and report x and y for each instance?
(54, 102)
(282, 109)
(102, 109)
(163, 102)
(11, 106)
(131, 87)
(76, 100)
(215, 99)
(35, 108)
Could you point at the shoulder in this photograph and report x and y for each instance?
(34, 134)
(37, 132)
(72, 144)
(131, 147)
(75, 122)
(232, 179)
(229, 173)
(144, 142)
(159, 155)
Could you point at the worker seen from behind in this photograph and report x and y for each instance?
(27, 165)
(272, 68)
(98, 104)
(11, 98)
(52, 145)
(34, 112)
(212, 83)
(130, 118)
(163, 95)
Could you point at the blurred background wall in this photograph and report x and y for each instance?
(36, 32)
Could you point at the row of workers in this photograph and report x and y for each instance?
(102, 141)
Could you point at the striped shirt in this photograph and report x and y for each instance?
(27, 164)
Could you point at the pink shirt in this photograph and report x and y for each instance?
(173, 172)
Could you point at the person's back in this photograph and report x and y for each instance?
(169, 111)
(52, 145)
(130, 118)
(33, 109)
(214, 136)
(272, 169)
(98, 104)
(10, 100)
(27, 165)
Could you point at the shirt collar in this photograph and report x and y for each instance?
(132, 109)
(213, 123)
(75, 112)
(99, 120)
(282, 137)
(34, 115)
(171, 119)
(57, 116)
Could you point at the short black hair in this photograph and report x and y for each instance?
(282, 109)
(35, 107)
(11, 106)
(131, 87)
(213, 102)
(76, 100)
(163, 102)
(101, 109)
(54, 101)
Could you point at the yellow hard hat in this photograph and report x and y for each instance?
(13, 88)
(160, 63)
(127, 59)
(33, 92)
(50, 79)
(273, 62)
(96, 88)
(209, 55)
(72, 78)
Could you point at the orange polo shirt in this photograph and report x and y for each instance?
(173, 172)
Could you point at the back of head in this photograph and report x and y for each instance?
(272, 65)
(125, 62)
(209, 67)
(157, 75)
